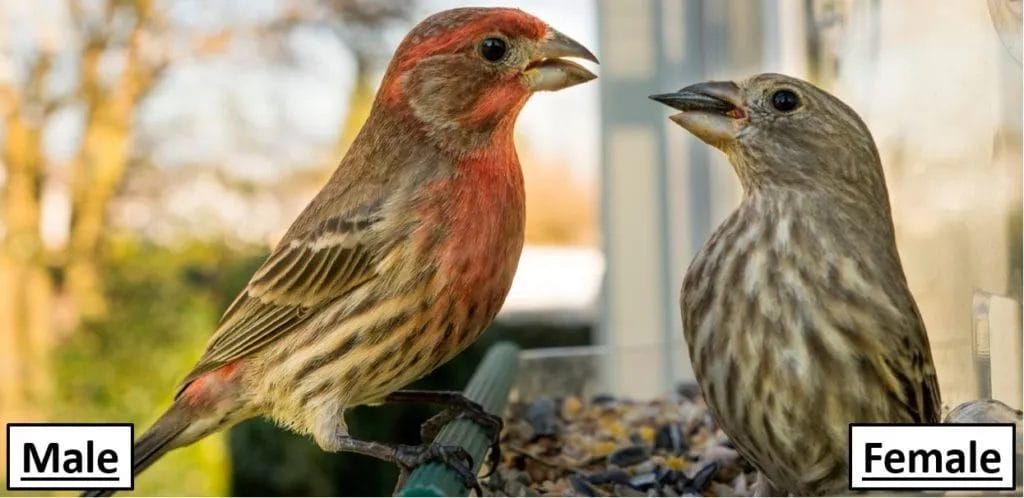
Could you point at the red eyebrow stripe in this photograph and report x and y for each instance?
(416, 47)
(512, 23)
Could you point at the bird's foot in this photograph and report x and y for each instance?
(410, 457)
(458, 406)
(491, 424)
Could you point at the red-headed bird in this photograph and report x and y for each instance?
(401, 260)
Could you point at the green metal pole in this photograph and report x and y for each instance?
(490, 387)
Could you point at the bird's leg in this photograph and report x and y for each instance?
(458, 406)
(409, 457)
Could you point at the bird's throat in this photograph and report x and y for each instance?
(486, 221)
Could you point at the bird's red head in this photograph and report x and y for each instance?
(471, 70)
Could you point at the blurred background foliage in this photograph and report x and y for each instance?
(123, 365)
(128, 223)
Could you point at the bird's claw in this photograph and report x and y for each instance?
(490, 423)
(432, 427)
(458, 459)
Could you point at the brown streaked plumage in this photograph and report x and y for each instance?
(402, 259)
(796, 312)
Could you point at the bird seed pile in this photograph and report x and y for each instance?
(617, 447)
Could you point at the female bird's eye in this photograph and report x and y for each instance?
(785, 100)
(493, 49)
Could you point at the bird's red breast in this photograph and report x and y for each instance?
(484, 221)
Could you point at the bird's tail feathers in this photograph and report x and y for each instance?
(162, 437)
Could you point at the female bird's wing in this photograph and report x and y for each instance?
(926, 403)
(909, 361)
(304, 274)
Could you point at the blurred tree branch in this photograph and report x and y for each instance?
(104, 151)
(360, 25)
(24, 313)
(119, 51)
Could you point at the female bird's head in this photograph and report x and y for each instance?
(779, 130)
(469, 71)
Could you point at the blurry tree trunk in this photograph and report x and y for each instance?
(35, 281)
(102, 157)
(32, 278)
(359, 103)
(369, 17)
(26, 290)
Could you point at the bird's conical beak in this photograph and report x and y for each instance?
(712, 111)
(549, 71)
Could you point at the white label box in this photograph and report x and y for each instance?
(939, 456)
(69, 456)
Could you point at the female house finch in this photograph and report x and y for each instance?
(796, 312)
(401, 260)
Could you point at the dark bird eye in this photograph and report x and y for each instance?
(785, 100)
(493, 49)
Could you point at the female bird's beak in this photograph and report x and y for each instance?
(549, 72)
(712, 111)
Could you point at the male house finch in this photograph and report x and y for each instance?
(401, 260)
(796, 312)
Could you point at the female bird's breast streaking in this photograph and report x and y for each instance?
(797, 314)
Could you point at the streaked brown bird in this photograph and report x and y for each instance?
(796, 312)
(402, 259)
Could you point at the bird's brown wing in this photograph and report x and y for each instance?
(929, 404)
(302, 275)
(914, 369)
(931, 408)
